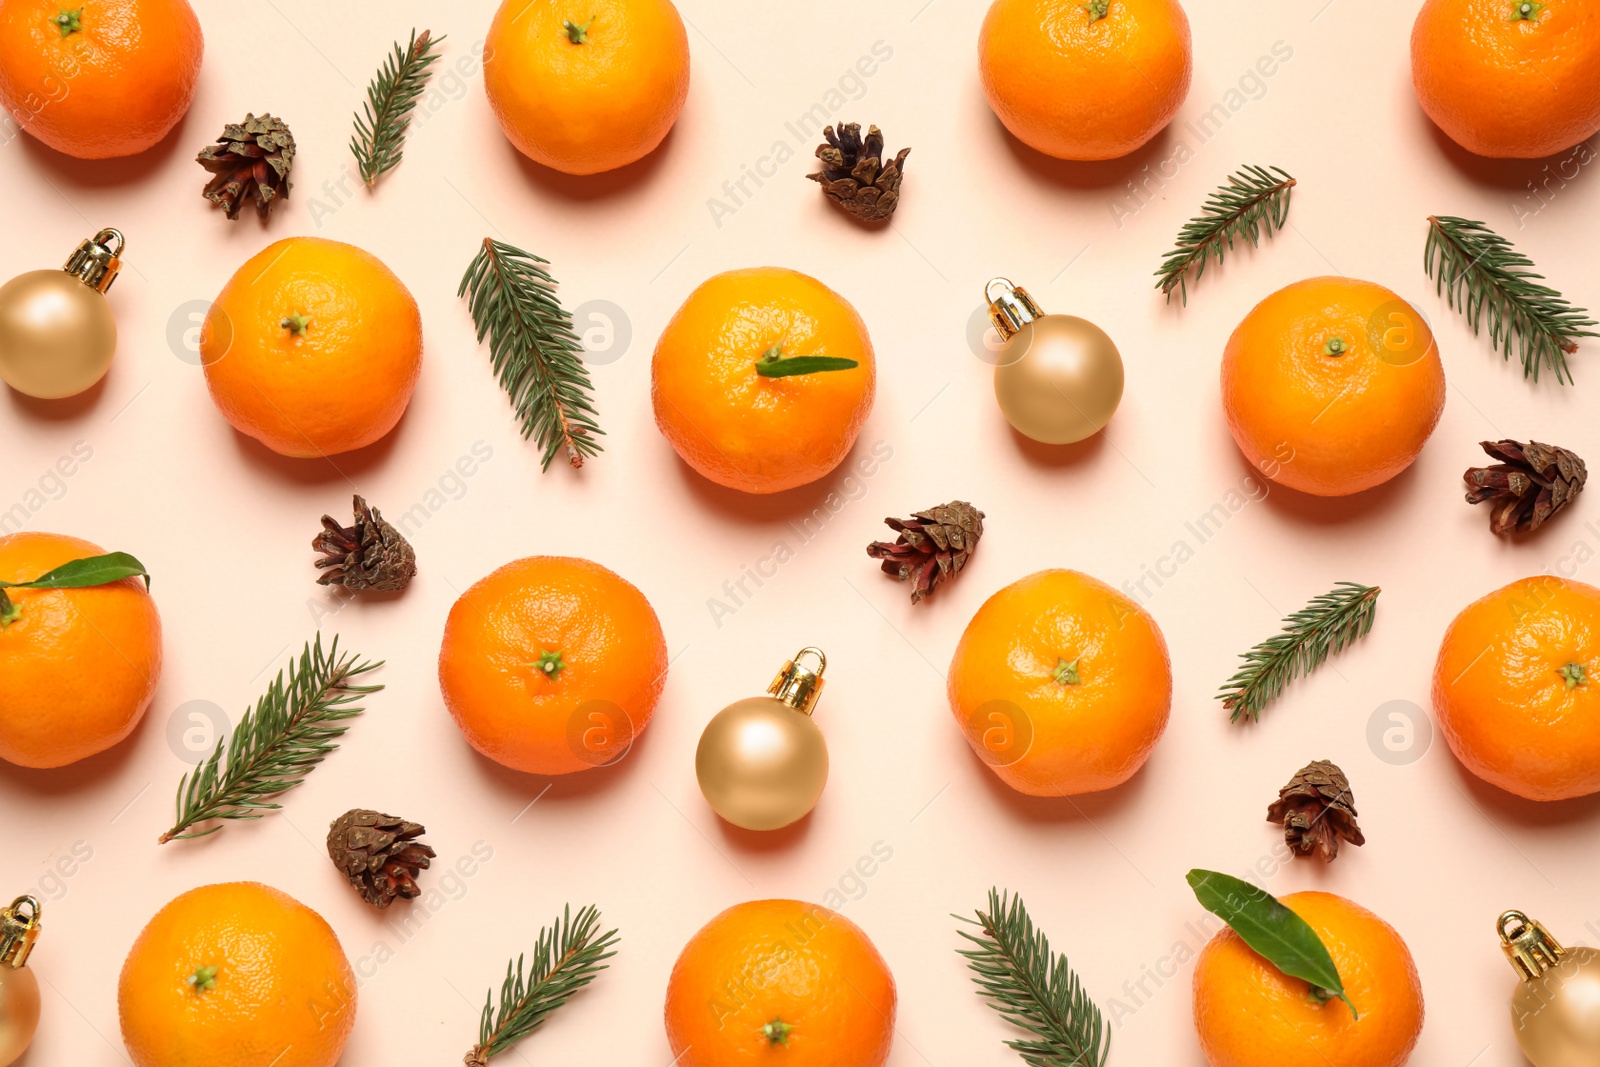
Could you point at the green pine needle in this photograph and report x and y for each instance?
(1327, 625)
(1480, 273)
(1254, 202)
(294, 726)
(533, 349)
(1034, 989)
(568, 956)
(391, 97)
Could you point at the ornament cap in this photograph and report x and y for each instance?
(1528, 945)
(19, 929)
(1012, 309)
(798, 686)
(97, 260)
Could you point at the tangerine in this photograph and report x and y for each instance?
(1515, 692)
(552, 665)
(237, 973)
(1061, 684)
(584, 88)
(78, 667)
(1250, 1014)
(780, 978)
(1085, 81)
(744, 429)
(105, 79)
(1510, 79)
(313, 348)
(1332, 385)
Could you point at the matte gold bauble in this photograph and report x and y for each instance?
(57, 335)
(19, 989)
(1555, 1011)
(762, 761)
(1059, 378)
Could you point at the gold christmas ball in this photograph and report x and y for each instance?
(761, 763)
(1555, 1011)
(19, 1012)
(1058, 377)
(57, 335)
(1557, 1016)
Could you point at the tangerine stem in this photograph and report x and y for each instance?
(577, 34)
(550, 663)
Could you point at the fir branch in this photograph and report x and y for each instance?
(1034, 989)
(533, 349)
(1479, 273)
(1325, 626)
(1254, 202)
(568, 956)
(294, 726)
(391, 97)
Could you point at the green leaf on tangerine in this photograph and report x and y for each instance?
(772, 367)
(82, 573)
(1280, 936)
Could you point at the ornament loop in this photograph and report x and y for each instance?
(798, 686)
(18, 931)
(1012, 309)
(109, 235)
(1528, 945)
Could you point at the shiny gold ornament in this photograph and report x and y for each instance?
(1058, 377)
(57, 335)
(19, 989)
(762, 761)
(1556, 1008)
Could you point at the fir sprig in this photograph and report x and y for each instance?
(1327, 625)
(1255, 201)
(295, 724)
(1480, 274)
(391, 97)
(568, 956)
(533, 349)
(1034, 989)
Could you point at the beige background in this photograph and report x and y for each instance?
(225, 526)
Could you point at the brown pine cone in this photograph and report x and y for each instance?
(1534, 482)
(379, 854)
(1317, 810)
(251, 159)
(932, 547)
(369, 555)
(854, 174)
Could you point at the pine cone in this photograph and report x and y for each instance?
(251, 158)
(369, 555)
(854, 174)
(1316, 810)
(932, 547)
(1533, 483)
(380, 854)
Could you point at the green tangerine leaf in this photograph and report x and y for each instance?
(1280, 936)
(90, 571)
(768, 367)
